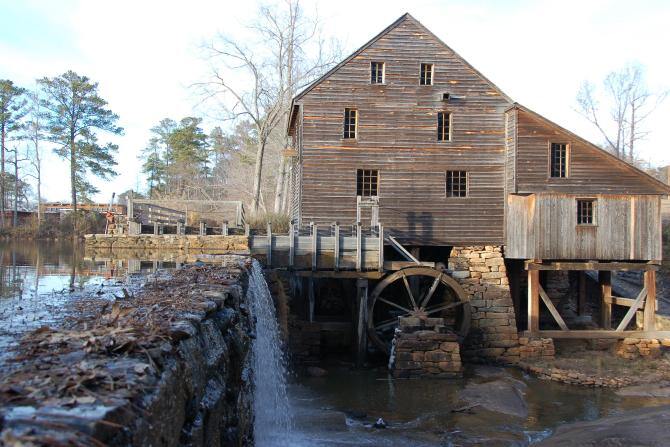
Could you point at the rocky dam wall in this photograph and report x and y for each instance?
(168, 366)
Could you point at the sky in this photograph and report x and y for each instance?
(146, 54)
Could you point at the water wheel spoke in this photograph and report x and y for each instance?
(391, 303)
(431, 291)
(409, 292)
(387, 323)
(444, 307)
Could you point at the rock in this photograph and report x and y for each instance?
(640, 427)
(658, 390)
(504, 395)
(315, 371)
(381, 423)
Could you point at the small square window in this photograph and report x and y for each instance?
(350, 123)
(586, 212)
(559, 160)
(376, 72)
(367, 182)
(426, 74)
(457, 184)
(443, 126)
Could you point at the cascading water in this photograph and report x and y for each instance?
(272, 415)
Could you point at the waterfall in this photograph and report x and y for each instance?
(272, 415)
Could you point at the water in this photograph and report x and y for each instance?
(272, 414)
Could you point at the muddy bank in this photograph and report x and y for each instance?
(165, 367)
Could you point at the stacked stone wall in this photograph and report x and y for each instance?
(493, 335)
(211, 244)
(424, 348)
(536, 348)
(635, 348)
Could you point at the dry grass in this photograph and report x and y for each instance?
(259, 222)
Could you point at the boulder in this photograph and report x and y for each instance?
(502, 395)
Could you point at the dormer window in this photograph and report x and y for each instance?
(426, 74)
(376, 72)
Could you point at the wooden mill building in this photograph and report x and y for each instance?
(406, 133)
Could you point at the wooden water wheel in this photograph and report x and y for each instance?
(417, 292)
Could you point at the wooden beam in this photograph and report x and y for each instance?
(315, 245)
(533, 301)
(619, 301)
(339, 275)
(291, 245)
(402, 250)
(650, 303)
(398, 265)
(631, 312)
(595, 334)
(336, 247)
(269, 252)
(552, 309)
(605, 281)
(381, 248)
(359, 247)
(600, 266)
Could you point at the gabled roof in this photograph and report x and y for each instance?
(662, 187)
(401, 19)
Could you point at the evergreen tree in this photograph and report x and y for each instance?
(75, 112)
(12, 110)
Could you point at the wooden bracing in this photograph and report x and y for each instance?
(645, 300)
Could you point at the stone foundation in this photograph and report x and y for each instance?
(536, 348)
(424, 349)
(212, 244)
(493, 335)
(634, 348)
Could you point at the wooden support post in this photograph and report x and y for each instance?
(552, 309)
(381, 248)
(179, 228)
(269, 242)
(581, 296)
(336, 247)
(639, 301)
(533, 301)
(359, 246)
(605, 281)
(362, 318)
(310, 297)
(291, 245)
(203, 229)
(315, 244)
(247, 230)
(129, 206)
(224, 228)
(155, 228)
(161, 229)
(650, 303)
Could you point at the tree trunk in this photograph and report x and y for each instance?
(2, 176)
(73, 173)
(258, 171)
(287, 187)
(279, 191)
(15, 220)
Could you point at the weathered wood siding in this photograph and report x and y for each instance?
(397, 135)
(510, 150)
(544, 226)
(296, 171)
(590, 171)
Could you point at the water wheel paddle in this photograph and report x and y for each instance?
(416, 292)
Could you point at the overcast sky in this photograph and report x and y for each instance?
(145, 54)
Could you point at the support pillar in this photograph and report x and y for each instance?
(155, 228)
(362, 317)
(311, 298)
(650, 301)
(605, 281)
(533, 301)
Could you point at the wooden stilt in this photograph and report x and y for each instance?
(310, 296)
(269, 242)
(224, 228)
(315, 245)
(533, 301)
(361, 334)
(581, 297)
(606, 306)
(359, 251)
(155, 228)
(291, 245)
(650, 303)
(381, 248)
(336, 247)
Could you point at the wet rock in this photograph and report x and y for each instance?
(642, 427)
(504, 395)
(380, 423)
(658, 390)
(315, 371)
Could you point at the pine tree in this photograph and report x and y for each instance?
(75, 112)
(12, 110)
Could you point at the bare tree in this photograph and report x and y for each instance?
(628, 103)
(277, 67)
(34, 132)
